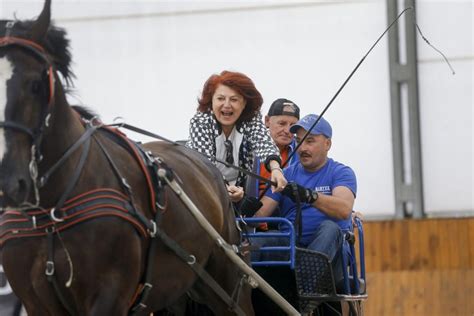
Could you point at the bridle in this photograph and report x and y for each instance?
(35, 134)
(40, 52)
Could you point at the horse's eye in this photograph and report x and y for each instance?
(36, 86)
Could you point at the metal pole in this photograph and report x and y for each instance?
(229, 251)
(405, 114)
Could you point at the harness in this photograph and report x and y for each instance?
(97, 203)
(33, 220)
(102, 202)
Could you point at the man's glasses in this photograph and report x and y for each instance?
(229, 152)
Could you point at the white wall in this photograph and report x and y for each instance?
(446, 105)
(147, 61)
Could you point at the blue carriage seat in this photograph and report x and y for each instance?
(312, 270)
(354, 278)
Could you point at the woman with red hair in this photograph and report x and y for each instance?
(228, 126)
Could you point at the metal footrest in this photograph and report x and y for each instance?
(314, 278)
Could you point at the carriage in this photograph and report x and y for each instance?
(76, 241)
(304, 277)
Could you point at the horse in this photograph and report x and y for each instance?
(86, 227)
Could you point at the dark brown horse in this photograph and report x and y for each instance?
(77, 204)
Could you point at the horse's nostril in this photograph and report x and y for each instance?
(14, 191)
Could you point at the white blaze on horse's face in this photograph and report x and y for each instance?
(6, 72)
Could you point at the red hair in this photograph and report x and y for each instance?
(237, 81)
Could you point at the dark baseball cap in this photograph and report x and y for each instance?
(284, 107)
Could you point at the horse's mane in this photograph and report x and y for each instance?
(84, 112)
(55, 43)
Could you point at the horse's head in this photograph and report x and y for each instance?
(30, 53)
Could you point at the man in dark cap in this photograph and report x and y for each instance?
(283, 113)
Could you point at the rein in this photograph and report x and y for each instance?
(156, 136)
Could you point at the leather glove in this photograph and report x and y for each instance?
(249, 206)
(295, 191)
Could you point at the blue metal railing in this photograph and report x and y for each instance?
(287, 231)
(360, 229)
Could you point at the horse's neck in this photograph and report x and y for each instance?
(63, 130)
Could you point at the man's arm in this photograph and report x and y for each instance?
(268, 206)
(338, 205)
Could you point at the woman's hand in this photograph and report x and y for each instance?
(235, 193)
(277, 176)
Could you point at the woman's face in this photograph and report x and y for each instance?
(227, 106)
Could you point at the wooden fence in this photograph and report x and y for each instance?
(420, 267)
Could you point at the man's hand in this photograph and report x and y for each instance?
(297, 192)
(356, 214)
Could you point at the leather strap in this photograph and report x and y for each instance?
(200, 271)
(75, 176)
(17, 127)
(50, 272)
(84, 137)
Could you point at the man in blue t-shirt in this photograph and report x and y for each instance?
(325, 188)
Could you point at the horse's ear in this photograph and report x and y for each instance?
(41, 25)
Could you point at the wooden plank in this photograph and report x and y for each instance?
(420, 267)
(415, 235)
(372, 236)
(388, 235)
(420, 287)
(422, 292)
(470, 245)
(434, 292)
(405, 246)
(462, 252)
(443, 248)
(420, 244)
(436, 244)
(452, 234)
(395, 246)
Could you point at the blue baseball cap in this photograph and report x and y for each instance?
(323, 127)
